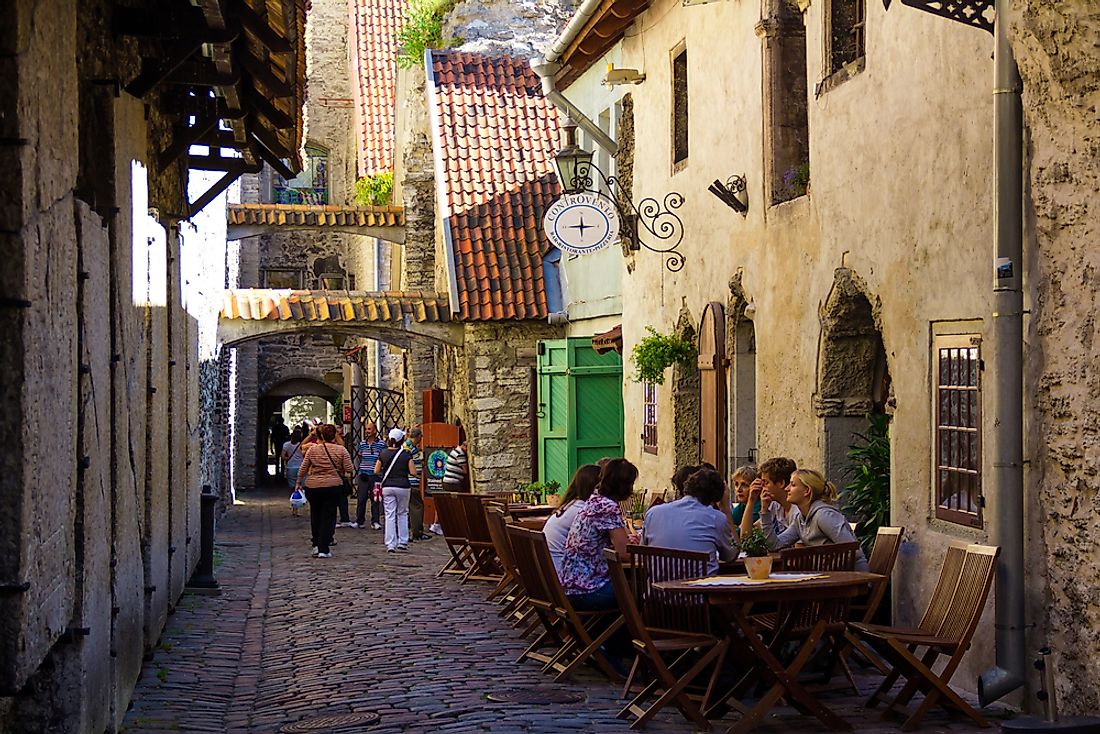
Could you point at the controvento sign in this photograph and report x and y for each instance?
(581, 223)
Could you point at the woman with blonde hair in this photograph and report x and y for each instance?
(819, 521)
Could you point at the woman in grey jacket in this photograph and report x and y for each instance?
(820, 521)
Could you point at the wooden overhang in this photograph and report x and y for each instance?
(609, 341)
(233, 73)
(251, 220)
(602, 31)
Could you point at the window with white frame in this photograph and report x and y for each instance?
(649, 417)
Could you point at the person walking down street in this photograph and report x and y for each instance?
(279, 436)
(416, 499)
(343, 505)
(395, 466)
(369, 449)
(292, 460)
(324, 466)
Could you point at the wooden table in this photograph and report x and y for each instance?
(519, 510)
(734, 602)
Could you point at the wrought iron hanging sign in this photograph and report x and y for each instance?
(581, 223)
(585, 219)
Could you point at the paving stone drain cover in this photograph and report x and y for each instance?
(332, 722)
(535, 696)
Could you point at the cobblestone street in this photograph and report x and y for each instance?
(292, 638)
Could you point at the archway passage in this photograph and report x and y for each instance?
(292, 400)
(853, 372)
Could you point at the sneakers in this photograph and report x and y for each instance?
(391, 550)
(435, 528)
(355, 525)
(403, 547)
(324, 555)
(423, 536)
(345, 525)
(375, 526)
(314, 551)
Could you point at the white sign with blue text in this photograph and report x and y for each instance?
(582, 223)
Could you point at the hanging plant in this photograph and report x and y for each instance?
(374, 190)
(657, 352)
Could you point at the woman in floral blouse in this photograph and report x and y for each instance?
(597, 526)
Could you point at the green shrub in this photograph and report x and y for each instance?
(423, 29)
(374, 190)
(755, 543)
(866, 497)
(656, 352)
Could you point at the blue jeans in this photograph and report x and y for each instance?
(595, 601)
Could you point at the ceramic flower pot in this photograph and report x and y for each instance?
(758, 567)
(553, 500)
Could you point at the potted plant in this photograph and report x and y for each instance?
(656, 352)
(538, 493)
(758, 562)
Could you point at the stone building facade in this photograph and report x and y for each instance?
(110, 363)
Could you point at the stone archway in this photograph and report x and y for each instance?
(271, 401)
(853, 370)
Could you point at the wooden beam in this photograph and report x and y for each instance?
(201, 106)
(271, 113)
(268, 140)
(156, 70)
(262, 73)
(221, 139)
(184, 139)
(273, 160)
(203, 74)
(219, 186)
(259, 27)
(214, 162)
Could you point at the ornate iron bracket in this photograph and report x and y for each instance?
(974, 13)
(657, 219)
(732, 193)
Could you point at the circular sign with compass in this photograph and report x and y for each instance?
(582, 223)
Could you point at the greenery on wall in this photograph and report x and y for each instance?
(423, 29)
(656, 352)
(374, 190)
(866, 497)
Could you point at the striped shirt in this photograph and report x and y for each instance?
(368, 454)
(417, 458)
(456, 466)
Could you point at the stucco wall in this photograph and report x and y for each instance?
(900, 159)
(1055, 47)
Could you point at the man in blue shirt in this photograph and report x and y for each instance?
(369, 449)
(693, 523)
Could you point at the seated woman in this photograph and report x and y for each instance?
(693, 523)
(819, 521)
(557, 527)
(598, 525)
(743, 519)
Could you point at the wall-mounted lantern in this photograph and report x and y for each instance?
(733, 193)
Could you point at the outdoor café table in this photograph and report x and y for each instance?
(733, 600)
(518, 511)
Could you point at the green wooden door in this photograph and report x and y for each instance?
(580, 407)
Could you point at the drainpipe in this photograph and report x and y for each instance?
(546, 71)
(1007, 369)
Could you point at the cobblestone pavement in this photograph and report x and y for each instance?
(293, 637)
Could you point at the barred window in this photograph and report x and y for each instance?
(958, 444)
(649, 417)
(847, 20)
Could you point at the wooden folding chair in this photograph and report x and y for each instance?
(483, 564)
(677, 626)
(452, 520)
(509, 585)
(884, 556)
(946, 630)
(572, 630)
(829, 557)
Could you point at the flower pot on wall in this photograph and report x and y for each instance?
(758, 567)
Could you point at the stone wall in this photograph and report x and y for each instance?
(492, 397)
(95, 349)
(1055, 46)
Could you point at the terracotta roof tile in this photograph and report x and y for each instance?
(497, 138)
(374, 27)
(264, 304)
(316, 215)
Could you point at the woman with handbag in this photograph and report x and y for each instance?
(327, 469)
(395, 466)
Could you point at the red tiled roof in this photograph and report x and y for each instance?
(266, 304)
(316, 215)
(374, 26)
(495, 141)
(602, 31)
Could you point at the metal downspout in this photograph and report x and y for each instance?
(1007, 528)
(546, 70)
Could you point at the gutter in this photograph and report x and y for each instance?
(442, 207)
(1007, 449)
(549, 65)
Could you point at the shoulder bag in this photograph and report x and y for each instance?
(393, 462)
(344, 481)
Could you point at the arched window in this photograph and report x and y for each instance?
(308, 187)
